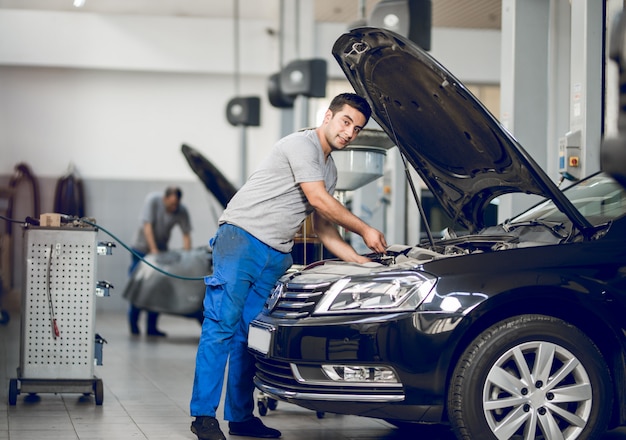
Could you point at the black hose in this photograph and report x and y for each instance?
(132, 251)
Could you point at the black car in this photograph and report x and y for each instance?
(510, 331)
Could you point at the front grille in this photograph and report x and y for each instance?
(275, 373)
(294, 301)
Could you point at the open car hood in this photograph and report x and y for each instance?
(459, 149)
(211, 176)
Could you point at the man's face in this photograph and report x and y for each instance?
(171, 203)
(342, 128)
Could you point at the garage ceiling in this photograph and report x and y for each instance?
(481, 14)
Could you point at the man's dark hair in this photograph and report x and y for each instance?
(353, 100)
(173, 190)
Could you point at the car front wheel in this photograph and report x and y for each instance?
(530, 377)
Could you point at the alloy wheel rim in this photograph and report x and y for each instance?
(537, 390)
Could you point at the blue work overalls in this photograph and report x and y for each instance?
(244, 273)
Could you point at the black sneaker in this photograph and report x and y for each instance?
(207, 428)
(252, 428)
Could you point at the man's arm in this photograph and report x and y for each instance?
(185, 226)
(149, 234)
(331, 209)
(329, 235)
(186, 241)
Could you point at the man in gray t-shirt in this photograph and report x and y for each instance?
(160, 213)
(251, 251)
(271, 205)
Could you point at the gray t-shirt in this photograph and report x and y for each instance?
(154, 212)
(271, 205)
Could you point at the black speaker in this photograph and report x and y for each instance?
(409, 18)
(244, 111)
(304, 77)
(275, 94)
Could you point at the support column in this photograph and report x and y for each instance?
(558, 82)
(586, 100)
(524, 82)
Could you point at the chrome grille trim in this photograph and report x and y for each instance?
(295, 305)
(289, 315)
(295, 300)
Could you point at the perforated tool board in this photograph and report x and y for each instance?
(58, 311)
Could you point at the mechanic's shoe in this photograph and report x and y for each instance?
(252, 428)
(207, 428)
(156, 332)
(133, 318)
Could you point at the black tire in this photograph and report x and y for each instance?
(262, 407)
(98, 391)
(272, 403)
(13, 392)
(497, 386)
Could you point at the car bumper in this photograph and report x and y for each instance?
(399, 356)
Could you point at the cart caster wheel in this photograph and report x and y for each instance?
(13, 392)
(272, 403)
(320, 414)
(98, 391)
(262, 407)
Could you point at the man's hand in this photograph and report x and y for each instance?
(186, 242)
(375, 240)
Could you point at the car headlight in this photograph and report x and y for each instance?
(384, 293)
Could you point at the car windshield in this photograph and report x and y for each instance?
(599, 198)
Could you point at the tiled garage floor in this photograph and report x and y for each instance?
(147, 385)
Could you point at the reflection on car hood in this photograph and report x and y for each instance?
(397, 257)
(458, 148)
(331, 270)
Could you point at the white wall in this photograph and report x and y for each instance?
(120, 125)
(117, 95)
(87, 40)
